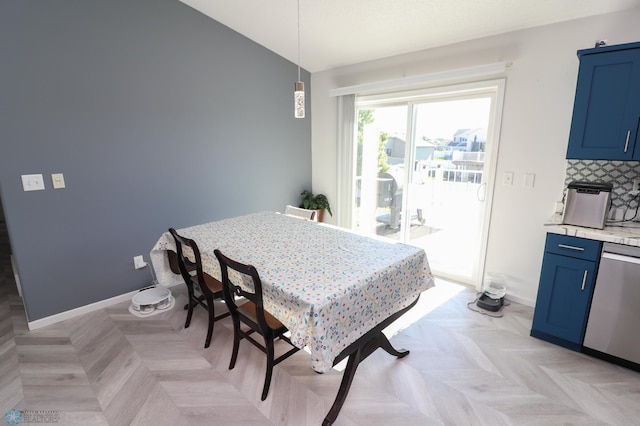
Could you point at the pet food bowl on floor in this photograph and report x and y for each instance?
(148, 301)
(494, 289)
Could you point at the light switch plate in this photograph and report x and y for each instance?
(58, 180)
(32, 182)
(529, 180)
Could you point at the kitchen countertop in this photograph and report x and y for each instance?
(627, 232)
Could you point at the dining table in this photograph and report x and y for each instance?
(334, 289)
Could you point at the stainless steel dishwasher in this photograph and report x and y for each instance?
(614, 319)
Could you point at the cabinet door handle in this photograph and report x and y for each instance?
(626, 144)
(584, 279)
(571, 247)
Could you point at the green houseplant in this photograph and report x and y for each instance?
(317, 202)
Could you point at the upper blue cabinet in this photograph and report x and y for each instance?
(606, 110)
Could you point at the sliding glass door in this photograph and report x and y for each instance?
(424, 166)
(376, 193)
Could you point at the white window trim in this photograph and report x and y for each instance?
(346, 148)
(422, 80)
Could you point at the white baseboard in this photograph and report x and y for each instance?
(43, 322)
(520, 300)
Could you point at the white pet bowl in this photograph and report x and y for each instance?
(147, 301)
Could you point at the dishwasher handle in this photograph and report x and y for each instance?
(621, 258)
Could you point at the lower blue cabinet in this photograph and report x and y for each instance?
(565, 290)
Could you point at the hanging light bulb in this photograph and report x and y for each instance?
(298, 90)
(298, 99)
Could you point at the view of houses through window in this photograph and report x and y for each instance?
(427, 159)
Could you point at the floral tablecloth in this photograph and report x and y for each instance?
(329, 286)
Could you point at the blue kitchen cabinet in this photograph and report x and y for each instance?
(606, 108)
(566, 285)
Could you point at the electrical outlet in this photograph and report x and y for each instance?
(32, 182)
(138, 262)
(507, 179)
(57, 179)
(559, 208)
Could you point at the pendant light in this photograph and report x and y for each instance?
(298, 90)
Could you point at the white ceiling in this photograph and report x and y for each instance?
(335, 33)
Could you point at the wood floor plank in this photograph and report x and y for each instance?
(84, 418)
(11, 392)
(109, 381)
(197, 388)
(67, 398)
(35, 374)
(158, 409)
(123, 408)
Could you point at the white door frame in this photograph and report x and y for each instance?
(495, 89)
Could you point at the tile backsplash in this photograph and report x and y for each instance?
(620, 173)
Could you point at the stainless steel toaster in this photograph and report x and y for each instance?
(587, 204)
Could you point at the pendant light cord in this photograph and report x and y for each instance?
(298, 40)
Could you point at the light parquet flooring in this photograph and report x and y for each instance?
(109, 367)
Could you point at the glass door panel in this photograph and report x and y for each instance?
(379, 169)
(447, 183)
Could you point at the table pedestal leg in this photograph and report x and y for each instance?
(386, 345)
(366, 348)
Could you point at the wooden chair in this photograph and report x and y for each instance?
(300, 212)
(192, 273)
(252, 314)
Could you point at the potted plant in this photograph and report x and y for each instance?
(319, 203)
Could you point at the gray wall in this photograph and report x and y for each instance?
(157, 115)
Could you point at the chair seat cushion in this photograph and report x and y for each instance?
(248, 309)
(212, 284)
